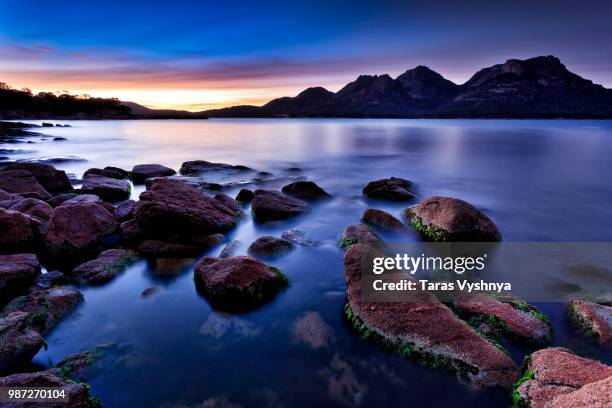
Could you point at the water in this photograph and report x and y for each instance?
(538, 180)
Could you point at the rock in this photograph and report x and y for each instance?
(298, 237)
(174, 209)
(423, 329)
(230, 249)
(38, 210)
(131, 233)
(198, 167)
(271, 247)
(46, 306)
(220, 402)
(59, 139)
(597, 394)
(141, 172)
(160, 249)
(507, 316)
(311, 329)
(125, 211)
(245, 196)
(104, 268)
(382, 220)
(148, 292)
(76, 232)
(237, 282)
(305, 190)
(17, 273)
(49, 279)
(451, 219)
(226, 327)
(7, 200)
(61, 199)
(18, 341)
(229, 202)
(79, 393)
(108, 189)
(554, 372)
(359, 234)
(393, 188)
(595, 318)
(110, 172)
(270, 205)
(22, 182)
(54, 181)
(20, 232)
(170, 267)
(47, 124)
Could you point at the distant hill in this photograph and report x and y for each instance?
(139, 112)
(540, 87)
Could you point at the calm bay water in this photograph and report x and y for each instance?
(538, 180)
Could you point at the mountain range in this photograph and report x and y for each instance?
(540, 87)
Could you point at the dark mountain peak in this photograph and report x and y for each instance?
(424, 83)
(314, 92)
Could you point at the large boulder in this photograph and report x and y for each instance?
(270, 205)
(61, 199)
(596, 319)
(237, 282)
(53, 180)
(393, 188)
(108, 189)
(104, 268)
(37, 209)
(270, 247)
(17, 273)
(552, 375)
(597, 394)
(79, 393)
(24, 183)
(125, 211)
(359, 234)
(76, 232)
(230, 203)
(20, 232)
(111, 172)
(18, 341)
(199, 167)
(423, 329)
(383, 220)
(450, 219)
(507, 316)
(305, 190)
(46, 307)
(142, 172)
(245, 196)
(174, 210)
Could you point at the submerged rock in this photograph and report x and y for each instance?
(424, 329)
(108, 189)
(155, 248)
(17, 273)
(596, 319)
(170, 267)
(105, 267)
(37, 209)
(20, 232)
(553, 374)
(142, 172)
(245, 196)
(230, 249)
(311, 329)
(22, 182)
(298, 237)
(393, 188)
(46, 307)
(79, 231)
(268, 246)
(49, 279)
(270, 205)
(507, 316)
(237, 282)
(450, 219)
(148, 292)
(305, 190)
(54, 181)
(18, 341)
(359, 234)
(382, 220)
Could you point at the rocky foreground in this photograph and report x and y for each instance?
(92, 234)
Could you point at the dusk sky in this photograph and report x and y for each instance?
(204, 54)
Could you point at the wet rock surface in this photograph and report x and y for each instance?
(22, 182)
(270, 205)
(270, 247)
(595, 318)
(359, 234)
(49, 279)
(54, 181)
(424, 329)
(37, 209)
(20, 232)
(245, 196)
(125, 211)
(393, 189)
(305, 190)
(237, 282)
(104, 268)
(61, 199)
(155, 248)
(450, 219)
(383, 220)
(553, 374)
(230, 249)
(142, 172)
(299, 237)
(17, 273)
(18, 341)
(111, 172)
(199, 167)
(108, 189)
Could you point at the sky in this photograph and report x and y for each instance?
(197, 55)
